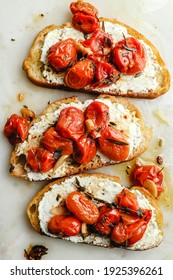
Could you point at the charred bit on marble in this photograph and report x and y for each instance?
(35, 252)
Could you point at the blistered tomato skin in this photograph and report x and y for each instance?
(127, 199)
(113, 144)
(16, 129)
(85, 23)
(83, 7)
(82, 208)
(62, 54)
(98, 113)
(148, 172)
(129, 56)
(107, 218)
(84, 150)
(65, 226)
(40, 160)
(80, 75)
(70, 123)
(52, 141)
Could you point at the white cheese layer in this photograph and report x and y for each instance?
(121, 116)
(146, 81)
(103, 189)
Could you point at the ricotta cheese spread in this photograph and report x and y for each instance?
(123, 118)
(104, 189)
(144, 82)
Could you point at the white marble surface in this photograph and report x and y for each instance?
(20, 21)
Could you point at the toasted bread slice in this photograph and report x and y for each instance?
(123, 115)
(153, 81)
(101, 189)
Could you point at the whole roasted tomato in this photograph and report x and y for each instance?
(53, 141)
(70, 123)
(113, 144)
(129, 56)
(80, 75)
(82, 208)
(84, 150)
(65, 226)
(127, 199)
(62, 54)
(83, 7)
(40, 160)
(16, 129)
(105, 74)
(107, 218)
(143, 173)
(85, 23)
(98, 113)
(130, 233)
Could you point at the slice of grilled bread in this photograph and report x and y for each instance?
(124, 116)
(153, 81)
(101, 189)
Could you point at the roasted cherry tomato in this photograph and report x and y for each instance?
(62, 54)
(107, 218)
(82, 208)
(40, 160)
(85, 23)
(105, 74)
(148, 172)
(98, 113)
(70, 123)
(129, 219)
(52, 141)
(54, 223)
(84, 150)
(129, 56)
(119, 233)
(100, 43)
(136, 231)
(80, 74)
(127, 199)
(16, 129)
(63, 225)
(83, 7)
(113, 144)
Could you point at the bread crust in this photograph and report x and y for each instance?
(33, 66)
(33, 212)
(18, 166)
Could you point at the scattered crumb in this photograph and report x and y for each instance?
(161, 142)
(12, 39)
(20, 97)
